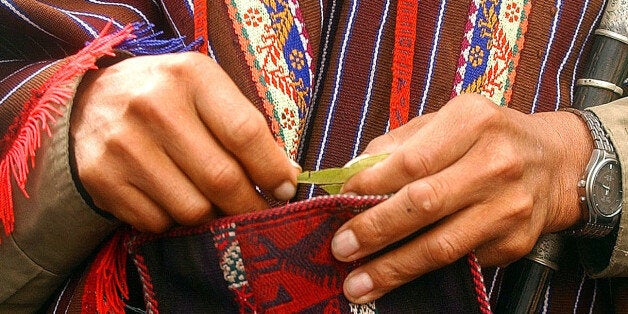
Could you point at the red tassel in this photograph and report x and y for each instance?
(105, 285)
(23, 138)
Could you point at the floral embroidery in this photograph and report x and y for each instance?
(276, 46)
(495, 32)
(252, 17)
(512, 12)
(296, 59)
(476, 56)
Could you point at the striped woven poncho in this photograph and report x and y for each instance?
(329, 76)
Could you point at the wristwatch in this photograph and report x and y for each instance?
(600, 188)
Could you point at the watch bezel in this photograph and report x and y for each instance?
(600, 159)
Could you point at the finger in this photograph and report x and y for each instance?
(414, 207)
(243, 131)
(444, 244)
(162, 180)
(438, 144)
(214, 171)
(505, 250)
(392, 140)
(129, 204)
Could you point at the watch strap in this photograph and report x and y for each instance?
(602, 226)
(600, 139)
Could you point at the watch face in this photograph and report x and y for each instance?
(606, 190)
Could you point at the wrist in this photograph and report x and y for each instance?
(600, 191)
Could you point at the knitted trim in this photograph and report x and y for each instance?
(23, 138)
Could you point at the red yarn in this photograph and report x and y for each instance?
(23, 138)
(478, 283)
(105, 284)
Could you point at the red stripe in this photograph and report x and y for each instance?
(200, 24)
(403, 56)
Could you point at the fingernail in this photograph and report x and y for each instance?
(356, 159)
(285, 191)
(359, 285)
(295, 164)
(345, 244)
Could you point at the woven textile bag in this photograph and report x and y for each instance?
(273, 261)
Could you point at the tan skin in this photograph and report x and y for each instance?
(168, 140)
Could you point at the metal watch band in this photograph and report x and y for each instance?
(600, 141)
(591, 230)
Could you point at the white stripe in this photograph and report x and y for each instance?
(330, 113)
(124, 5)
(12, 60)
(547, 297)
(319, 74)
(371, 80)
(60, 296)
(174, 26)
(211, 52)
(547, 53)
(594, 297)
(441, 13)
(96, 16)
(571, 45)
(86, 27)
(320, 5)
(584, 44)
(575, 306)
(490, 292)
(190, 5)
(26, 19)
(23, 82)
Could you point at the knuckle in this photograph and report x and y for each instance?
(246, 129)
(393, 273)
(518, 247)
(180, 64)
(193, 213)
(522, 205)
(442, 250)
(414, 164)
(374, 227)
(223, 176)
(506, 163)
(424, 198)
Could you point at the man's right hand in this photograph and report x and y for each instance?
(169, 139)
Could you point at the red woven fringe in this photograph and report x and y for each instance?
(105, 285)
(21, 142)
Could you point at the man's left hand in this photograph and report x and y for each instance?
(471, 177)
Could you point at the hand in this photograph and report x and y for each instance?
(170, 139)
(471, 177)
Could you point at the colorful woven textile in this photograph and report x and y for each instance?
(279, 261)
